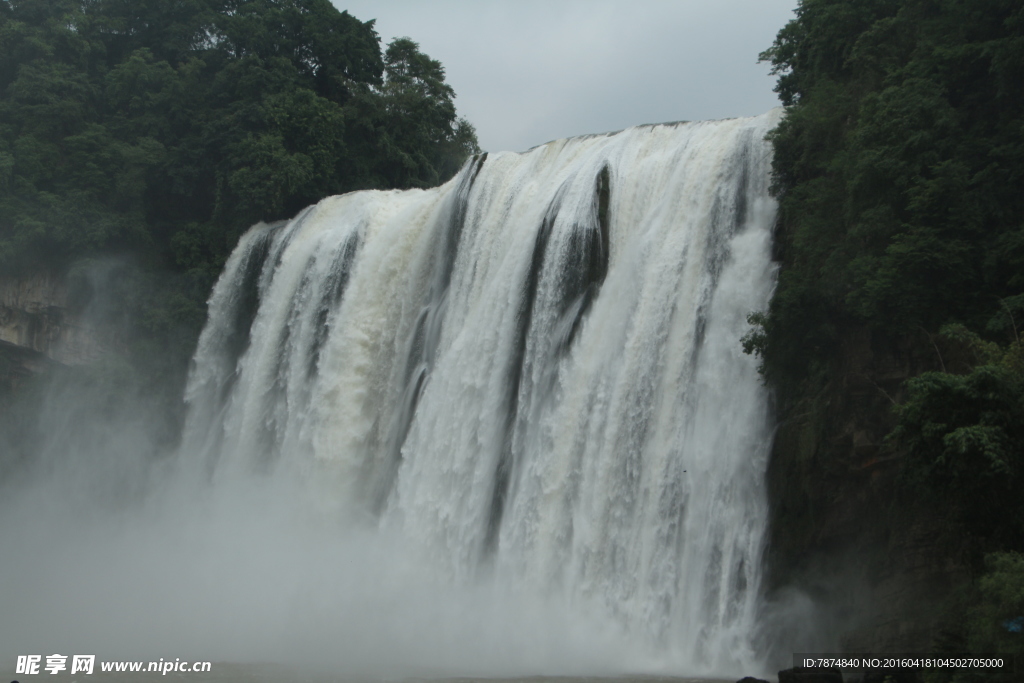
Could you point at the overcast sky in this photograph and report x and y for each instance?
(529, 71)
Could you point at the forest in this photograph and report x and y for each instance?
(900, 169)
(158, 132)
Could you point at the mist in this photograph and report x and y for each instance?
(132, 558)
(604, 518)
(118, 542)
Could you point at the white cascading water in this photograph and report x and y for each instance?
(532, 373)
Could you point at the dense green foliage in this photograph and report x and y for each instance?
(994, 624)
(900, 173)
(161, 129)
(900, 166)
(964, 435)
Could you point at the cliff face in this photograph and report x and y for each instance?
(34, 315)
(51, 318)
(845, 527)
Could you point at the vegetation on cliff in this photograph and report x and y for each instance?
(162, 130)
(899, 168)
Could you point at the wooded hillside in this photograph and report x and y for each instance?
(900, 172)
(159, 130)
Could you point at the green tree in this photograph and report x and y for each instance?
(898, 167)
(161, 130)
(964, 435)
(424, 140)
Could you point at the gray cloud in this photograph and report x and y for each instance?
(529, 71)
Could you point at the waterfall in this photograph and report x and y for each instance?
(532, 374)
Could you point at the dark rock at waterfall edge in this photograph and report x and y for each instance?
(18, 363)
(805, 675)
(751, 679)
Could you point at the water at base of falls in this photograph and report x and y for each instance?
(504, 426)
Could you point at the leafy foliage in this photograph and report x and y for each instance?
(418, 106)
(899, 167)
(162, 129)
(997, 620)
(994, 623)
(965, 435)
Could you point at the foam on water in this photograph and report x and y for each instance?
(500, 426)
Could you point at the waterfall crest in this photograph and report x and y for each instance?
(533, 373)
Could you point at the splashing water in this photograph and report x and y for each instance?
(500, 426)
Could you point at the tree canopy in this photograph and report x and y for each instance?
(164, 128)
(899, 167)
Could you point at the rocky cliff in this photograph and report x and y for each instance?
(49, 318)
(36, 314)
(845, 527)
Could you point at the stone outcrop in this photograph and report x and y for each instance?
(55, 315)
(18, 363)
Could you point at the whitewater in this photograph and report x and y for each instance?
(502, 426)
